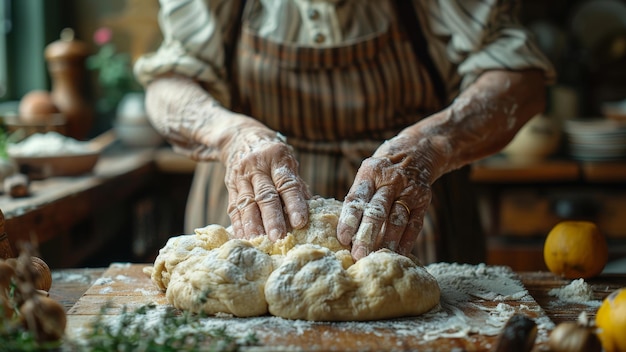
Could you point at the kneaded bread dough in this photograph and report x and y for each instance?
(306, 275)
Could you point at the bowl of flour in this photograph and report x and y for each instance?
(43, 155)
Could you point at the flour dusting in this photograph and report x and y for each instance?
(124, 278)
(577, 291)
(106, 290)
(121, 265)
(145, 292)
(103, 281)
(459, 314)
(68, 277)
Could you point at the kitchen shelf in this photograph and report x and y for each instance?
(520, 203)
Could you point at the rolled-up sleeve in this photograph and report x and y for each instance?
(480, 35)
(194, 33)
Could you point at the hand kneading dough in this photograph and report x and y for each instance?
(307, 275)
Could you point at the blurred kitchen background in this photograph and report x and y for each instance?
(569, 163)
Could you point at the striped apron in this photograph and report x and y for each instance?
(335, 105)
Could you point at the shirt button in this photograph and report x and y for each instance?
(313, 14)
(319, 38)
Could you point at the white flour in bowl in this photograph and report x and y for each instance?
(47, 144)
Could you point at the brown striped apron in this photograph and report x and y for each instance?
(334, 104)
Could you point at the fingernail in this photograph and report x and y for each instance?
(274, 235)
(298, 220)
(343, 238)
(361, 252)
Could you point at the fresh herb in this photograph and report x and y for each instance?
(175, 331)
(13, 335)
(4, 142)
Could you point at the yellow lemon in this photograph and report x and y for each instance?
(575, 249)
(611, 321)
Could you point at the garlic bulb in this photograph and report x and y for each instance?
(45, 317)
(574, 337)
(43, 280)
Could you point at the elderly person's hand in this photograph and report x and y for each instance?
(264, 188)
(386, 205)
(266, 194)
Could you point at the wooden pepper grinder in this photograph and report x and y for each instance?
(66, 65)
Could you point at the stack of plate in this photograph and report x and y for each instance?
(596, 139)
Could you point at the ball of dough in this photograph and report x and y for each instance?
(178, 249)
(229, 279)
(311, 284)
(306, 275)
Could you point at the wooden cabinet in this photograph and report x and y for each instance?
(519, 204)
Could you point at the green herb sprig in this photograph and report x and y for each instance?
(175, 331)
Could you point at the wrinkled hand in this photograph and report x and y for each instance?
(264, 187)
(386, 205)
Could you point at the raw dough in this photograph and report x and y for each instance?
(306, 275)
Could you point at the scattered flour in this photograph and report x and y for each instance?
(106, 290)
(124, 278)
(577, 291)
(458, 315)
(103, 281)
(65, 277)
(121, 265)
(47, 144)
(145, 292)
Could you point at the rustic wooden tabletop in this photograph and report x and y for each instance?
(68, 285)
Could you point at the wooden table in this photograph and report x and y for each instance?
(539, 284)
(70, 284)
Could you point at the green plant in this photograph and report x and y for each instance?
(4, 141)
(115, 74)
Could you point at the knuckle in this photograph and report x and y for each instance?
(266, 194)
(286, 179)
(375, 210)
(244, 201)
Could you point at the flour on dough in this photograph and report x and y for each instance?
(311, 284)
(306, 275)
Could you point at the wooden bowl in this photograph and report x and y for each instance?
(64, 164)
(40, 167)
